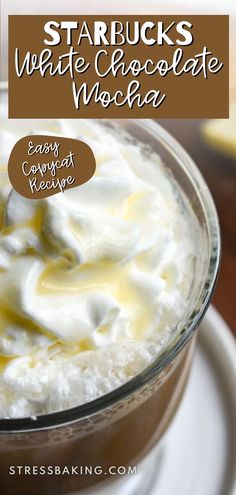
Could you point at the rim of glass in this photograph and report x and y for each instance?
(71, 415)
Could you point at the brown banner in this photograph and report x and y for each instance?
(118, 66)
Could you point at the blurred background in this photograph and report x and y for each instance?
(212, 144)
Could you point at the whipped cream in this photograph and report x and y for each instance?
(93, 281)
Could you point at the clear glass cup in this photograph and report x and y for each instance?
(120, 428)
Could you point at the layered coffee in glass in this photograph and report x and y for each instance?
(102, 291)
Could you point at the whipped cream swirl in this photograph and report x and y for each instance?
(93, 281)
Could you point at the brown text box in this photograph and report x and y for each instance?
(186, 96)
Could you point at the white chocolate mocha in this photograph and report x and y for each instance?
(93, 281)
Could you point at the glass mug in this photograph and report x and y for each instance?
(116, 431)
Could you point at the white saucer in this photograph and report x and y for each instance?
(198, 453)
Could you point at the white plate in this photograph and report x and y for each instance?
(198, 454)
